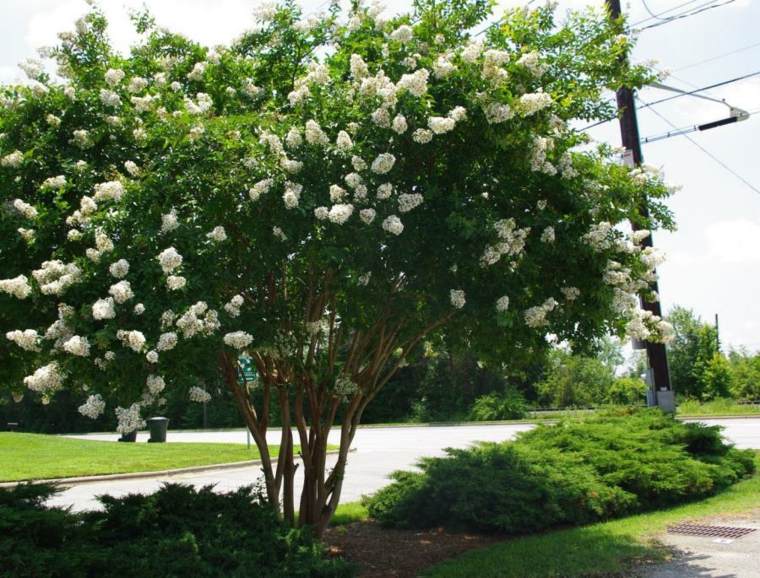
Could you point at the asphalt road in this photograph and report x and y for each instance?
(378, 452)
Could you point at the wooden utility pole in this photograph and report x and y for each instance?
(661, 392)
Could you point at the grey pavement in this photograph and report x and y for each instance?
(698, 557)
(378, 452)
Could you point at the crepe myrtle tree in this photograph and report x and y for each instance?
(322, 196)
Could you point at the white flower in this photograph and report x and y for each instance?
(110, 190)
(384, 191)
(138, 309)
(502, 303)
(169, 260)
(114, 76)
(399, 124)
(93, 406)
(337, 193)
(548, 235)
(46, 379)
(81, 138)
(103, 309)
(533, 102)
(77, 345)
(403, 34)
(536, 316)
(279, 233)
(26, 234)
(497, 112)
(294, 139)
(314, 134)
(169, 221)
(353, 180)
(132, 168)
(532, 61)
(56, 276)
(155, 383)
(233, 306)
(19, 287)
(409, 201)
(383, 163)
(292, 195)
(53, 120)
(121, 291)
(175, 282)
(442, 67)
(381, 117)
(415, 83)
(340, 213)
(87, 205)
(12, 160)
(259, 189)
(218, 234)
(364, 279)
(102, 242)
(238, 339)
(27, 339)
(109, 98)
(25, 209)
(358, 67)
(57, 182)
(393, 225)
(321, 213)
(456, 296)
(129, 419)
(135, 340)
(119, 269)
(422, 136)
(440, 124)
(196, 132)
(458, 113)
(167, 341)
(198, 394)
(197, 72)
(343, 141)
(367, 215)
(570, 293)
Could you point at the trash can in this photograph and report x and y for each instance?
(129, 437)
(158, 427)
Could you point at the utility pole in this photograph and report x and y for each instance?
(658, 376)
(717, 332)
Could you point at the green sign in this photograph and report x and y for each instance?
(247, 369)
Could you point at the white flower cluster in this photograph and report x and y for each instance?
(103, 309)
(119, 269)
(533, 102)
(27, 339)
(19, 287)
(134, 339)
(570, 293)
(600, 236)
(54, 277)
(383, 163)
(392, 224)
(198, 319)
(538, 158)
(532, 61)
(198, 394)
(110, 190)
(169, 221)
(93, 407)
(46, 379)
(644, 325)
(548, 235)
(217, 235)
(77, 345)
(55, 183)
(259, 189)
(167, 341)
(536, 316)
(511, 242)
(233, 306)
(169, 259)
(114, 76)
(415, 83)
(340, 213)
(155, 384)
(25, 209)
(403, 34)
(121, 291)
(502, 303)
(12, 160)
(238, 339)
(409, 201)
(457, 298)
(129, 419)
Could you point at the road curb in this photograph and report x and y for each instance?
(75, 481)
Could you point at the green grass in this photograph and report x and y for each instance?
(595, 550)
(716, 408)
(349, 513)
(34, 456)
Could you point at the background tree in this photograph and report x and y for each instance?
(322, 196)
(691, 355)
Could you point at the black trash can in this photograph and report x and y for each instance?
(129, 437)
(158, 427)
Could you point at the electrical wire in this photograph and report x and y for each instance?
(642, 21)
(652, 14)
(710, 87)
(705, 151)
(681, 131)
(718, 57)
(694, 12)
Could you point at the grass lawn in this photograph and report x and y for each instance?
(34, 456)
(594, 550)
(716, 408)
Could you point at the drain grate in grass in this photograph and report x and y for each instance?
(709, 531)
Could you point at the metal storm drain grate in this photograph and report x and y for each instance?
(709, 531)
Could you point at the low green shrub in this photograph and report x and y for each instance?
(177, 531)
(574, 472)
(509, 404)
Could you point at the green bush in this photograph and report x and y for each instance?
(177, 531)
(570, 473)
(509, 404)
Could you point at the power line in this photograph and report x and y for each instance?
(694, 12)
(710, 87)
(693, 128)
(652, 14)
(718, 57)
(707, 152)
(642, 21)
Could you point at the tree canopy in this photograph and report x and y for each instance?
(322, 195)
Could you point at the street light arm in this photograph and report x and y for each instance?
(737, 112)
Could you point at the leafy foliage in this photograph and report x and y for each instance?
(508, 404)
(175, 531)
(569, 473)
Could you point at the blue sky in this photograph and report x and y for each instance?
(714, 257)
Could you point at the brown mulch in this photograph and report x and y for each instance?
(389, 553)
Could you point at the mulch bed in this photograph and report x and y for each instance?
(389, 553)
